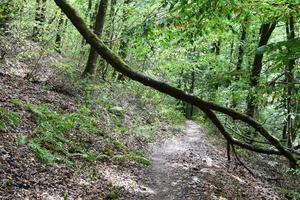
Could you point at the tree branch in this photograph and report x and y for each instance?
(119, 65)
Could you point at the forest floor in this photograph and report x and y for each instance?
(189, 165)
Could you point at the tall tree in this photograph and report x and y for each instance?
(91, 65)
(241, 50)
(124, 36)
(111, 33)
(40, 18)
(240, 58)
(265, 34)
(60, 31)
(288, 130)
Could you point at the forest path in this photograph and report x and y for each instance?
(188, 167)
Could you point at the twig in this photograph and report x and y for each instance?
(241, 163)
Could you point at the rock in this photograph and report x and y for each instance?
(208, 161)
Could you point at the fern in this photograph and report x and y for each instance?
(8, 119)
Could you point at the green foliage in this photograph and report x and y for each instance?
(283, 51)
(66, 196)
(139, 157)
(124, 154)
(119, 145)
(49, 141)
(8, 119)
(43, 154)
(113, 194)
(21, 140)
(290, 193)
(172, 113)
(116, 110)
(146, 132)
(17, 102)
(132, 156)
(174, 41)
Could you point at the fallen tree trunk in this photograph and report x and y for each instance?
(119, 65)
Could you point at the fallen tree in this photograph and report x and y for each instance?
(207, 107)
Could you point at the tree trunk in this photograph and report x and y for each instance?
(240, 59)
(231, 51)
(207, 107)
(289, 79)
(192, 91)
(265, 34)
(91, 65)
(216, 47)
(124, 37)
(60, 31)
(40, 18)
(241, 51)
(111, 33)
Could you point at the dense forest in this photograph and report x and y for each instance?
(151, 99)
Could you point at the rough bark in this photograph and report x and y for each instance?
(265, 34)
(91, 65)
(207, 107)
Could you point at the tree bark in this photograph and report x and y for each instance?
(207, 107)
(265, 34)
(91, 65)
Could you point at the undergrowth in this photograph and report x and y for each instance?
(63, 137)
(292, 193)
(51, 143)
(8, 119)
(48, 140)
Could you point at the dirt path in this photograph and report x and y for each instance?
(188, 167)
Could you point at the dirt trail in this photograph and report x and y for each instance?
(188, 167)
